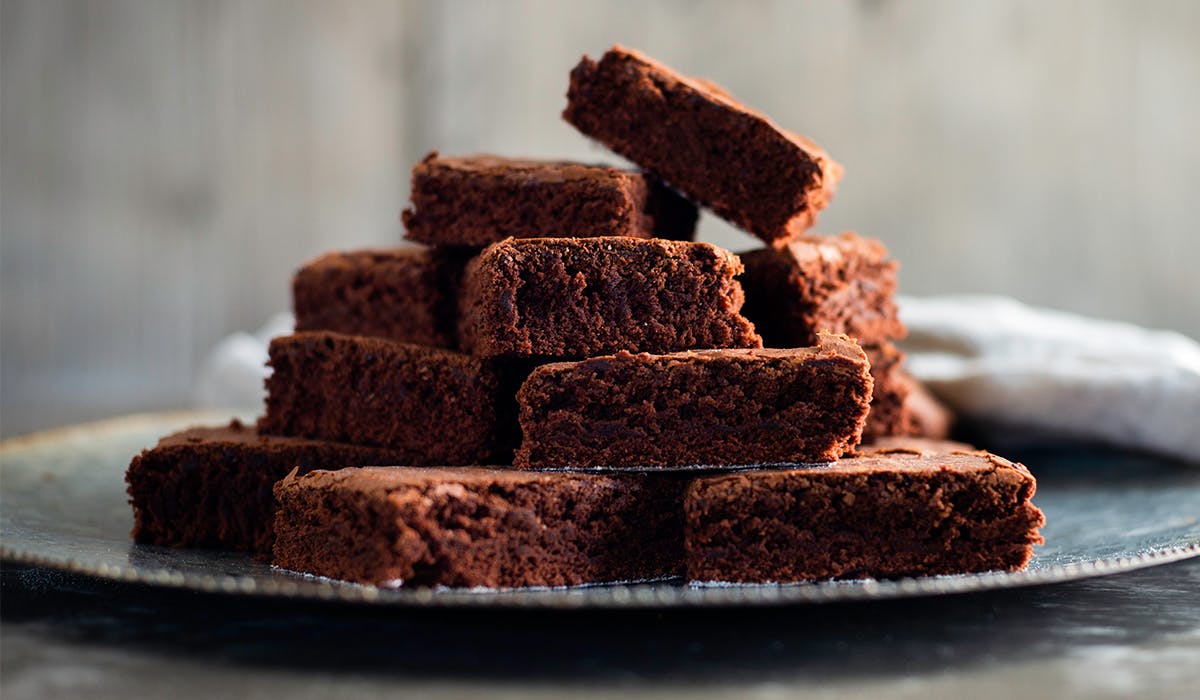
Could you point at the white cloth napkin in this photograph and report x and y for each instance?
(233, 372)
(996, 360)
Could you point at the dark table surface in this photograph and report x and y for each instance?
(1136, 633)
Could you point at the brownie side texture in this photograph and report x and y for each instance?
(901, 405)
(842, 284)
(211, 487)
(894, 513)
(889, 398)
(480, 200)
(438, 404)
(927, 416)
(694, 135)
(405, 294)
(698, 408)
(479, 527)
(572, 298)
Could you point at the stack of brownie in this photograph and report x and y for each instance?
(575, 393)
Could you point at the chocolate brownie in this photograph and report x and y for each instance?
(694, 135)
(439, 404)
(479, 527)
(697, 408)
(842, 284)
(479, 200)
(927, 416)
(895, 513)
(572, 298)
(914, 444)
(900, 405)
(211, 487)
(889, 398)
(407, 294)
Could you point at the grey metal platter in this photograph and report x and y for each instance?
(63, 506)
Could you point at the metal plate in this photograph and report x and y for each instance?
(63, 506)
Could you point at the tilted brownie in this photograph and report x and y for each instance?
(698, 408)
(479, 200)
(842, 284)
(479, 527)
(211, 487)
(572, 298)
(406, 294)
(889, 397)
(438, 404)
(903, 511)
(694, 135)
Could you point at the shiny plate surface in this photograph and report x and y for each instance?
(63, 506)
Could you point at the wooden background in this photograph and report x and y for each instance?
(164, 166)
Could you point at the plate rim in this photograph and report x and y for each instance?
(643, 596)
(650, 595)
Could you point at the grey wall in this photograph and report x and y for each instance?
(164, 166)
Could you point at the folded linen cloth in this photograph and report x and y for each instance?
(997, 361)
(233, 372)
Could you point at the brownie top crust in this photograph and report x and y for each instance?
(519, 169)
(837, 250)
(914, 459)
(829, 346)
(382, 479)
(234, 433)
(213, 438)
(354, 259)
(698, 138)
(914, 445)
